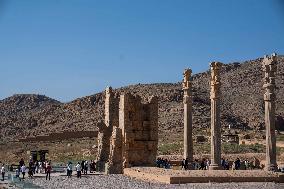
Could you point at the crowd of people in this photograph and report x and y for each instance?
(33, 167)
(225, 164)
(204, 164)
(163, 163)
(81, 167)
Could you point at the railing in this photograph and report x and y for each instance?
(19, 183)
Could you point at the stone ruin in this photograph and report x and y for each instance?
(129, 135)
(269, 66)
(105, 128)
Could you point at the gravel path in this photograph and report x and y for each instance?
(121, 182)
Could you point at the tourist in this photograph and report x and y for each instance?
(86, 165)
(223, 163)
(183, 164)
(95, 166)
(69, 170)
(44, 166)
(207, 164)
(196, 164)
(167, 164)
(237, 164)
(186, 164)
(3, 171)
(234, 165)
(17, 172)
(78, 169)
(227, 166)
(48, 171)
(21, 162)
(202, 164)
(83, 166)
(36, 167)
(246, 164)
(40, 167)
(23, 170)
(30, 172)
(158, 162)
(92, 166)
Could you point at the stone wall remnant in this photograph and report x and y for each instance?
(105, 128)
(115, 164)
(139, 125)
(129, 135)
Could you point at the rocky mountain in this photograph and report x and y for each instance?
(242, 105)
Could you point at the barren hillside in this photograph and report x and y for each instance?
(242, 105)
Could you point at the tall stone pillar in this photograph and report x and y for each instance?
(187, 103)
(105, 129)
(215, 116)
(109, 112)
(269, 68)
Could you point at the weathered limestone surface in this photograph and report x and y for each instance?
(215, 116)
(115, 165)
(139, 125)
(105, 129)
(269, 68)
(129, 136)
(103, 141)
(187, 102)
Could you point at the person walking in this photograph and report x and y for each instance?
(3, 172)
(40, 167)
(78, 169)
(207, 164)
(48, 171)
(69, 170)
(23, 170)
(86, 167)
(21, 162)
(246, 164)
(183, 164)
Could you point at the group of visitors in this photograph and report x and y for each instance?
(195, 165)
(81, 167)
(202, 165)
(225, 164)
(33, 168)
(163, 163)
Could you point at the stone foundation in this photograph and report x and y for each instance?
(201, 176)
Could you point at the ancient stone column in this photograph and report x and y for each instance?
(109, 112)
(269, 68)
(215, 116)
(187, 103)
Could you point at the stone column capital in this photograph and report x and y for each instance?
(215, 81)
(186, 84)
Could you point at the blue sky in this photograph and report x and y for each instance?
(67, 49)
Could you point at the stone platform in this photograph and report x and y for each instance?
(168, 176)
